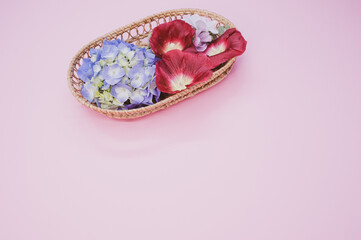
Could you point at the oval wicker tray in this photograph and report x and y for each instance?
(136, 33)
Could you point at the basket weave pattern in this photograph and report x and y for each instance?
(136, 33)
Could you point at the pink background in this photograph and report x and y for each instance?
(272, 152)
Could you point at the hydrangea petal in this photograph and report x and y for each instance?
(109, 52)
(123, 48)
(113, 74)
(138, 80)
(137, 96)
(122, 61)
(105, 86)
(96, 69)
(95, 54)
(85, 71)
(121, 92)
(149, 58)
(149, 71)
(88, 91)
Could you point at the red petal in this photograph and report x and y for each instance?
(191, 49)
(176, 34)
(178, 70)
(227, 46)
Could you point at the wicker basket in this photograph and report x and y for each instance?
(136, 33)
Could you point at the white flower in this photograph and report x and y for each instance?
(201, 23)
(203, 26)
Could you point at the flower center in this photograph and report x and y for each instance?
(180, 82)
(121, 90)
(114, 72)
(137, 80)
(216, 49)
(173, 46)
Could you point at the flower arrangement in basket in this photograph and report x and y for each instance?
(154, 63)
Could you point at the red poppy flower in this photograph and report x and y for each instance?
(178, 70)
(176, 34)
(227, 46)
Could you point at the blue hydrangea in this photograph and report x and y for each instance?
(119, 75)
(109, 52)
(113, 74)
(85, 71)
(121, 92)
(137, 76)
(88, 91)
(95, 54)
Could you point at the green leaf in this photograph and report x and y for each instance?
(220, 29)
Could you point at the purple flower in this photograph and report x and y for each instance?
(119, 75)
(138, 96)
(139, 57)
(150, 71)
(121, 92)
(113, 74)
(201, 40)
(95, 54)
(109, 52)
(96, 69)
(85, 71)
(123, 48)
(204, 26)
(105, 86)
(152, 88)
(137, 76)
(88, 91)
(150, 58)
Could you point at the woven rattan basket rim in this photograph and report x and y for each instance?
(173, 99)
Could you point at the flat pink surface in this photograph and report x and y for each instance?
(271, 153)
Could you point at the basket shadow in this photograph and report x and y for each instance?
(187, 122)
